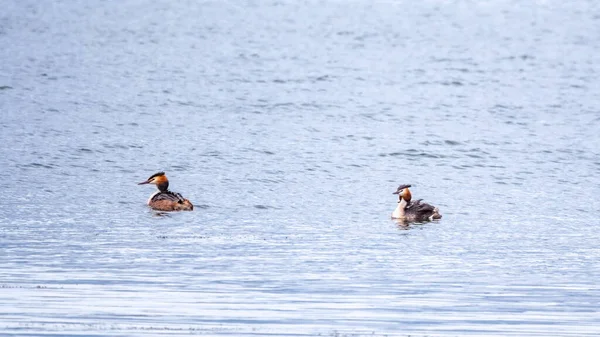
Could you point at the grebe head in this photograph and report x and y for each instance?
(159, 179)
(403, 193)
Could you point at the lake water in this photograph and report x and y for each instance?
(289, 124)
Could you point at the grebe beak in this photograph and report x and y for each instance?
(397, 192)
(144, 182)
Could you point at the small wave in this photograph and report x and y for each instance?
(16, 286)
(321, 78)
(182, 237)
(267, 152)
(211, 154)
(264, 207)
(38, 165)
(179, 168)
(412, 153)
(452, 83)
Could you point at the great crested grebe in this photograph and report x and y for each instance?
(415, 210)
(163, 199)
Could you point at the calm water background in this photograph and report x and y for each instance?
(289, 124)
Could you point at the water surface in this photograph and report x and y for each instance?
(288, 125)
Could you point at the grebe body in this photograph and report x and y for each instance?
(163, 199)
(413, 211)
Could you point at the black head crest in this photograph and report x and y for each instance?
(401, 187)
(156, 175)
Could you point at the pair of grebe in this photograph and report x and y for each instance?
(407, 210)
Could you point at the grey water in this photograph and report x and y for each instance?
(289, 124)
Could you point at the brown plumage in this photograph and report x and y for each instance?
(163, 199)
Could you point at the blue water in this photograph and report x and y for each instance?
(289, 124)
